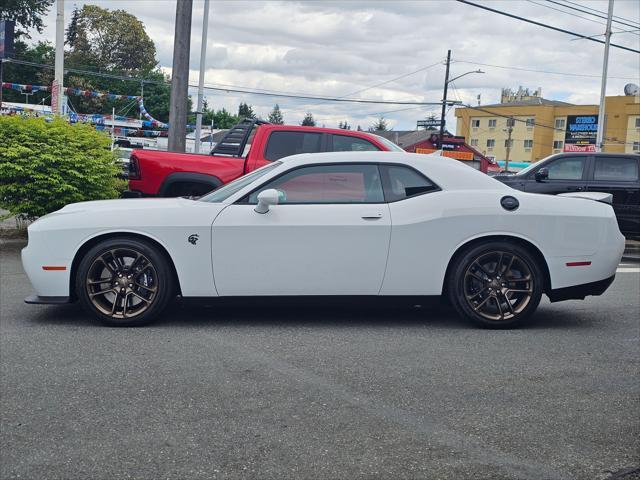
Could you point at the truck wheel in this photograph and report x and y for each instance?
(496, 284)
(124, 282)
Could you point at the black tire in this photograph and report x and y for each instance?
(129, 276)
(494, 296)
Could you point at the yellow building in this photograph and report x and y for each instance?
(539, 127)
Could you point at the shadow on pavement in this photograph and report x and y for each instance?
(433, 315)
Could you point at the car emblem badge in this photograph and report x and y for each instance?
(193, 238)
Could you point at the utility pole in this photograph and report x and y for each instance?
(444, 100)
(58, 82)
(180, 77)
(603, 85)
(203, 54)
(510, 123)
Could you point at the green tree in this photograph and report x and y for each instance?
(26, 13)
(308, 120)
(379, 126)
(110, 39)
(46, 165)
(275, 116)
(245, 111)
(114, 42)
(221, 118)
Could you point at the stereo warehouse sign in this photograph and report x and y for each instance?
(581, 133)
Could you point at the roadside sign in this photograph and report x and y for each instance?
(54, 97)
(581, 133)
(431, 122)
(6, 38)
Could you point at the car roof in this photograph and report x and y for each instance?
(446, 172)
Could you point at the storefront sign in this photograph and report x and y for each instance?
(581, 133)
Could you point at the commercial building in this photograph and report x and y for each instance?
(426, 141)
(539, 127)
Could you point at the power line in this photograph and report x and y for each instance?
(557, 29)
(539, 71)
(604, 14)
(237, 90)
(566, 12)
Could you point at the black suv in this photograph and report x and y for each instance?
(614, 173)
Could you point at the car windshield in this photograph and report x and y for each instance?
(526, 170)
(388, 143)
(222, 193)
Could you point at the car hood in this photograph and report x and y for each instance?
(124, 204)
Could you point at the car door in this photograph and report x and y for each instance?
(619, 176)
(566, 174)
(328, 235)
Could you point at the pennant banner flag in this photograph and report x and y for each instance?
(152, 122)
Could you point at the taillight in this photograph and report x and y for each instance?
(134, 168)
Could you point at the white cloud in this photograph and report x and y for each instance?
(338, 47)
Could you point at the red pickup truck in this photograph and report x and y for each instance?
(168, 174)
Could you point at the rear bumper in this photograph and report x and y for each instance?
(38, 300)
(579, 292)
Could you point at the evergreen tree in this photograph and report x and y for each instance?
(275, 116)
(379, 126)
(245, 111)
(308, 120)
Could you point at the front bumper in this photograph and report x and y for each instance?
(579, 292)
(38, 300)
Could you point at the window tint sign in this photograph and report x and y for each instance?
(580, 134)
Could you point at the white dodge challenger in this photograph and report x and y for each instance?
(362, 224)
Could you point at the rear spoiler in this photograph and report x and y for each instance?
(596, 196)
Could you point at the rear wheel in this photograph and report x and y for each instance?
(496, 284)
(124, 282)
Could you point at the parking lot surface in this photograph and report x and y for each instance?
(319, 391)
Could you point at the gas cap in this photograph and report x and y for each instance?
(509, 203)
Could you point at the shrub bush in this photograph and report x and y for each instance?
(46, 165)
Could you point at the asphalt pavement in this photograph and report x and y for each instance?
(319, 391)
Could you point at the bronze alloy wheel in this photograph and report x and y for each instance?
(122, 283)
(498, 285)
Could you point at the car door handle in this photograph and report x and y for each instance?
(373, 216)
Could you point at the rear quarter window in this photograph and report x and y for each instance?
(620, 169)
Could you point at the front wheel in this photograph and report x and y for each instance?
(124, 282)
(496, 284)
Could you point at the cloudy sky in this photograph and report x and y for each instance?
(343, 48)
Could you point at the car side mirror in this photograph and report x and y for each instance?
(542, 174)
(266, 198)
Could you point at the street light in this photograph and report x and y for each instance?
(473, 71)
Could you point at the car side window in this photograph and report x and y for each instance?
(345, 143)
(284, 144)
(402, 182)
(620, 169)
(569, 168)
(322, 184)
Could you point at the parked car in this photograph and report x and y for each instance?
(169, 174)
(613, 173)
(360, 224)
